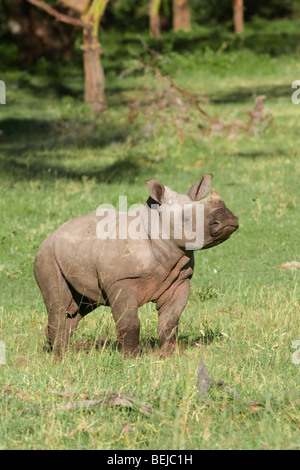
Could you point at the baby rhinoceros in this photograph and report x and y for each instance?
(125, 259)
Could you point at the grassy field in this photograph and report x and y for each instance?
(58, 160)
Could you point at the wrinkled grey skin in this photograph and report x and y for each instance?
(76, 271)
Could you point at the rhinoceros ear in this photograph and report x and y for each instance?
(156, 190)
(200, 189)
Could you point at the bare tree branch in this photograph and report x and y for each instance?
(59, 16)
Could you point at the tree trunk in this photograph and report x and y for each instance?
(154, 18)
(181, 15)
(37, 34)
(89, 20)
(238, 15)
(93, 71)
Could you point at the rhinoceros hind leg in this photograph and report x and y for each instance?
(63, 314)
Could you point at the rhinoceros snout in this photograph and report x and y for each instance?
(225, 226)
(232, 225)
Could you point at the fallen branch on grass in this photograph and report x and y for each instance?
(205, 382)
(170, 103)
(289, 265)
(110, 399)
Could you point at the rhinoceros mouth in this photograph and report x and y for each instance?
(226, 229)
(215, 242)
(223, 234)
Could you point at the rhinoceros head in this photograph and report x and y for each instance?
(188, 220)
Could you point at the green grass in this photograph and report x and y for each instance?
(58, 160)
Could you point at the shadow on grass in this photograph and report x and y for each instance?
(100, 344)
(148, 344)
(183, 341)
(243, 94)
(53, 88)
(253, 155)
(23, 133)
(118, 171)
(32, 149)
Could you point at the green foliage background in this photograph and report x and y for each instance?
(59, 160)
(133, 14)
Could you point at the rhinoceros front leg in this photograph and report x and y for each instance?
(170, 306)
(124, 307)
